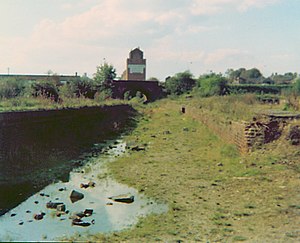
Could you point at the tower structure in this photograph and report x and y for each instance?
(136, 66)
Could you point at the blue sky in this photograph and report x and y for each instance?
(68, 36)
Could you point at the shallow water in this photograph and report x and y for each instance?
(40, 147)
(19, 225)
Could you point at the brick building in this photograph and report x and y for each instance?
(135, 66)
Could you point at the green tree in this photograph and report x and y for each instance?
(180, 83)
(212, 84)
(104, 75)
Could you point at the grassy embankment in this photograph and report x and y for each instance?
(40, 103)
(214, 194)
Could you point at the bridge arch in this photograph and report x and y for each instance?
(150, 89)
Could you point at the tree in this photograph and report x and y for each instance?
(153, 79)
(212, 84)
(180, 83)
(104, 75)
(250, 76)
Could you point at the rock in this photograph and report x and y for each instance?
(109, 204)
(80, 215)
(38, 216)
(36, 202)
(61, 207)
(62, 189)
(53, 205)
(76, 196)
(80, 223)
(88, 212)
(90, 184)
(124, 198)
(84, 185)
(13, 215)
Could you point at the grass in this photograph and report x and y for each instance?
(213, 193)
(40, 103)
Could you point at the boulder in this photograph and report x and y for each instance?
(76, 196)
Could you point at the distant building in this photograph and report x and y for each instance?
(135, 66)
(36, 77)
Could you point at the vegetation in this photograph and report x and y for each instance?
(212, 84)
(245, 76)
(104, 75)
(180, 83)
(83, 87)
(254, 76)
(213, 193)
(11, 88)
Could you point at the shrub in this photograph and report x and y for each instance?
(12, 88)
(46, 89)
(212, 84)
(83, 87)
(180, 83)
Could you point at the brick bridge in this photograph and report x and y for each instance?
(150, 89)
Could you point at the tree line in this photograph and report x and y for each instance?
(183, 82)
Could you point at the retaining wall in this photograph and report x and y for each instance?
(245, 135)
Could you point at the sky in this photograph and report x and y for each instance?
(68, 36)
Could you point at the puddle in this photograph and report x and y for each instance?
(19, 224)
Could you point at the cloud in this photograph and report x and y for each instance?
(212, 7)
(223, 55)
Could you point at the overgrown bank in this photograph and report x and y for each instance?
(213, 193)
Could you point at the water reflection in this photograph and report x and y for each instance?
(18, 224)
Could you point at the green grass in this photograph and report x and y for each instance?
(40, 103)
(181, 167)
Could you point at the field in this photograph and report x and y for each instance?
(214, 193)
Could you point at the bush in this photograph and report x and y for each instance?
(212, 84)
(46, 89)
(12, 88)
(180, 83)
(81, 88)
